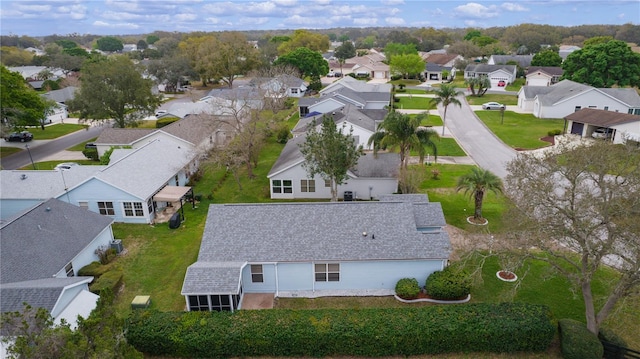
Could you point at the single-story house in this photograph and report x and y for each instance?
(281, 85)
(495, 73)
(543, 75)
(621, 126)
(566, 50)
(435, 72)
(21, 190)
(566, 97)
(442, 59)
(376, 70)
(346, 249)
(348, 117)
(59, 112)
(373, 176)
(357, 86)
(329, 102)
(42, 250)
(371, 58)
(523, 60)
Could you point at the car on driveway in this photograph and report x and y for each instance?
(492, 106)
(601, 132)
(502, 83)
(24, 136)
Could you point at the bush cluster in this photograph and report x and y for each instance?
(448, 284)
(577, 342)
(407, 288)
(554, 132)
(609, 336)
(93, 269)
(110, 280)
(482, 327)
(91, 153)
(160, 123)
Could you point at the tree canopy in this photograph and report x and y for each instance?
(114, 89)
(309, 62)
(394, 49)
(604, 64)
(345, 51)
(110, 44)
(445, 96)
(476, 183)
(578, 208)
(407, 65)
(330, 153)
(20, 105)
(546, 58)
(305, 38)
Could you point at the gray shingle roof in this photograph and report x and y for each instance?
(523, 60)
(62, 95)
(42, 185)
(283, 232)
(289, 156)
(212, 277)
(549, 70)
(122, 136)
(193, 128)
(565, 89)
(42, 241)
(627, 95)
(602, 118)
(357, 85)
(486, 69)
(409, 197)
(39, 293)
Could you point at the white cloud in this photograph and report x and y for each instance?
(33, 8)
(115, 25)
(392, 2)
(372, 21)
(286, 3)
(394, 21)
(123, 5)
(509, 6)
(185, 17)
(112, 15)
(620, 16)
(475, 10)
(322, 2)
(253, 20)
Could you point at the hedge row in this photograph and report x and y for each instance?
(506, 327)
(577, 342)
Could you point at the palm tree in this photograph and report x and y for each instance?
(403, 131)
(446, 95)
(476, 183)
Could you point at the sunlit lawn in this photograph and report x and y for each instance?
(521, 131)
(415, 103)
(55, 131)
(80, 146)
(49, 165)
(7, 151)
(508, 100)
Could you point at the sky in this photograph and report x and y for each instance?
(115, 17)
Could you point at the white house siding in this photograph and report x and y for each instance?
(362, 134)
(59, 113)
(523, 103)
(94, 191)
(500, 75)
(538, 80)
(295, 277)
(268, 284)
(589, 99)
(66, 298)
(88, 254)
(630, 130)
(360, 186)
(11, 207)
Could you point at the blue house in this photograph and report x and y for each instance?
(314, 249)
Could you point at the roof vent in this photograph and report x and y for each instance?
(23, 176)
(48, 209)
(364, 234)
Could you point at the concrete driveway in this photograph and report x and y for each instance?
(475, 138)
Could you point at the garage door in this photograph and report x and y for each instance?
(379, 75)
(576, 128)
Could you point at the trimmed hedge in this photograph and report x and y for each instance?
(93, 269)
(160, 123)
(407, 288)
(448, 284)
(482, 327)
(577, 342)
(110, 280)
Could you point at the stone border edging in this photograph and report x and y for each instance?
(468, 298)
(515, 276)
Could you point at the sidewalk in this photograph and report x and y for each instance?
(448, 160)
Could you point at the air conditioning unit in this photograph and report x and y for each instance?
(117, 245)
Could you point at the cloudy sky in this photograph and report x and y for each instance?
(115, 17)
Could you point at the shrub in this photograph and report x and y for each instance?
(93, 269)
(577, 342)
(160, 123)
(407, 288)
(481, 327)
(91, 153)
(607, 335)
(396, 77)
(448, 284)
(554, 132)
(282, 133)
(435, 173)
(110, 280)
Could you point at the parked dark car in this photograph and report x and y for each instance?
(23, 136)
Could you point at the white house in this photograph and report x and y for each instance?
(314, 249)
(495, 73)
(623, 127)
(281, 85)
(566, 97)
(346, 91)
(59, 112)
(42, 250)
(373, 176)
(543, 75)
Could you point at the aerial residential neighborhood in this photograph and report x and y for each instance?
(342, 191)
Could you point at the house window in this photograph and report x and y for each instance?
(133, 209)
(606, 108)
(327, 272)
(83, 205)
(304, 111)
(307, 185)
(220, 303)
(294, 91)
(256, 273)
(593, 106)
(106, 208)
(198, 303)
(150, 205)
(327, 183)
(577, 108)
(282, 186)
(69, 270)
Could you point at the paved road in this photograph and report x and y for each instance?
(41, 149)
(475, 138)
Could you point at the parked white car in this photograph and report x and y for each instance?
(601, 132)
(492, 106)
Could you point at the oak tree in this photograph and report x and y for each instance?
(603, 64)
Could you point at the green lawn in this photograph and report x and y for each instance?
(80, 146)
(49, 165)
(509, 100)
(7, 151)
(521, 131)
(446, 147)
(415, 103)
(55, 131)
(432, 120)
(516, 85)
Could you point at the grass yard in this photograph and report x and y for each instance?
(516, 85)
(446, 147)
(520, 131)
(80, 146)
(55, 131)
(49, 165)
(508, 100)
(433, 119)
(7, 151)
(415, 103)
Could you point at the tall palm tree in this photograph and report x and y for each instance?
(476, 183)
(446, 95)
(404, 132)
